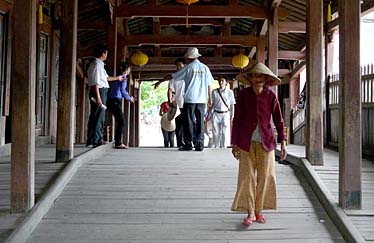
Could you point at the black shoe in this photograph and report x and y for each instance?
(199, 149)
(184, 148)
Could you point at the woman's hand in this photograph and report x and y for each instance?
(235, 152)
(283, 151)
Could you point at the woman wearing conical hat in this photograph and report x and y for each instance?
(254, 143)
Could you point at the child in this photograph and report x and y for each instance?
(254, 143)
(167, 126)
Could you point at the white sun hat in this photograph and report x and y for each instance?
(193, 52)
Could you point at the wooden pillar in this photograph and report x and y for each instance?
(23, 107)
(294, 90)
(66, 85)
(137, 115)
(314, 115)
(260, 53)
(80, 97)
(111, 68)
(273, 43)
(329, 58)
(132, 115)
(126, 111)
(350, 105)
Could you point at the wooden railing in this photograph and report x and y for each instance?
(332, 119)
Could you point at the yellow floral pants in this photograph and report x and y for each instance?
(256, 190)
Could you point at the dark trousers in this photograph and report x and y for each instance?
(179, 129)
(193, 114)
(96, 119)
(115, 107)
(168, 138)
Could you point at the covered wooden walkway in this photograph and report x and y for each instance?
(162, 195)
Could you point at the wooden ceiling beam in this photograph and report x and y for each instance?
(194, 11)
(242, 40)
(169, 61)
(291, 55)
(292, 27)
(191, 21)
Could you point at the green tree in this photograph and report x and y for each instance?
(152, 98)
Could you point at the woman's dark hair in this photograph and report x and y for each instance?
(123, 66)
(98, 51)
(222, 76)
(180, 60)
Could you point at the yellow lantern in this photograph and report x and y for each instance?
(188, 3)
(139, 59)
(240, 61)
(40, 11)
(329, 17)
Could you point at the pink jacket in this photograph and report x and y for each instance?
(250, 109)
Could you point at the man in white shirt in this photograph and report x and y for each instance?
(98, 81)
(198, 80)
(223, 102)
(176, 90)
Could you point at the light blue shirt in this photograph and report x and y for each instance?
(97, 75)
(197, 78)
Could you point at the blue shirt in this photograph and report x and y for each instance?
(197, 78)
(118, 90)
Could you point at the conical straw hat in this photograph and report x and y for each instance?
(245, 77)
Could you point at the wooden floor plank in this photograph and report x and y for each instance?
(162, 195)
(45, 171)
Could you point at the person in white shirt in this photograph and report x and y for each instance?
(223, 102)
(98, 81)
(198, 80)
(176, 89)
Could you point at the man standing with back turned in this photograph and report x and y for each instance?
(198, 81)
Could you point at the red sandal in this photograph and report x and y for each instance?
(260, 218)
(247, 221)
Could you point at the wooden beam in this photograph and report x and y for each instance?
(350, 191)
(292, 27)
(273, 42)
(218, 61)
(194, 11)
(138, 40)
(23, 107)
(66, 85)
(260, 50)
(291, 55)
(314, 115)
(191, 21)
(252, 52)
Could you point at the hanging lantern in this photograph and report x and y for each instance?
(188, 3)
(139, 59)
(240, 61)
(329, 17)
(40, 10)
